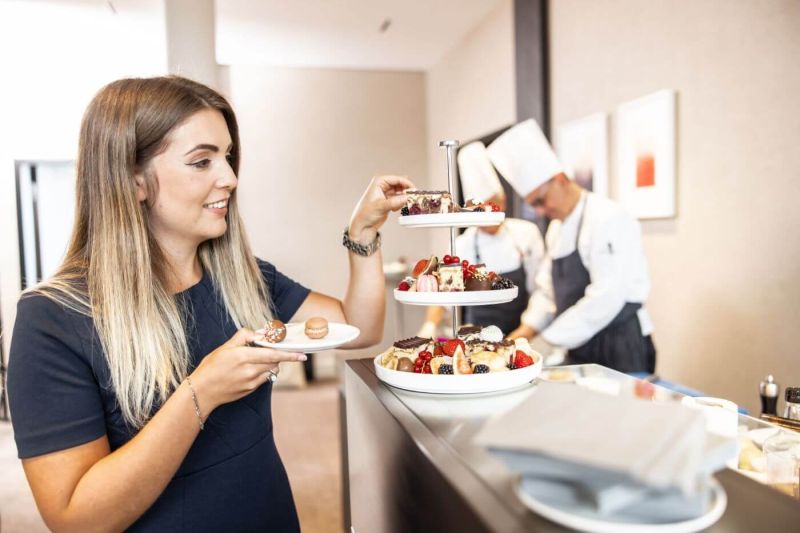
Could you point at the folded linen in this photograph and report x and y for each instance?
(570, 433)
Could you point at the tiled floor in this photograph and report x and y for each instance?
(306, 425)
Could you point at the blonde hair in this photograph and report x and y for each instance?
(114, 270)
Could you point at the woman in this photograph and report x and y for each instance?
(137, 400)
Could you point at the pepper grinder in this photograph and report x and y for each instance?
(768, 390)
(792, 403)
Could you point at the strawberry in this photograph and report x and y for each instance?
(450, 346)
(521, 359)
(438, 350)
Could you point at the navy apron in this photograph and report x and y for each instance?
(620, 345)
(506, 315)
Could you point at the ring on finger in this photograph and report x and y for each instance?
(272, 376)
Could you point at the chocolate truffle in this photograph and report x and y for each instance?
(478, 283)
(404, 364)
(274, 331)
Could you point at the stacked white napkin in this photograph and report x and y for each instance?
(613, 451)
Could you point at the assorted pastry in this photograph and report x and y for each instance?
(451, 274)
(316, 327)
(476, 350)
(419, 202)
(275, 331)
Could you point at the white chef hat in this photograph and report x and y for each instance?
(479, 180)
(524, 157)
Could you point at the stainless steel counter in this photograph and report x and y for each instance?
(411, 466)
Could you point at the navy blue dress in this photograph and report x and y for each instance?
(232, 479)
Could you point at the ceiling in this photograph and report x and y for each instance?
(344, 33)
(326, 33)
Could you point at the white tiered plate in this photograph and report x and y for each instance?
(456, 298)
(583, 517)
(297, 341)
(469, 384)
(450, 220)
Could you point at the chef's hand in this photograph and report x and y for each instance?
(383, 194)
(428, 330)
(544, 348)
(523, 331)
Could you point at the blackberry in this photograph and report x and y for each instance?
(500, 283)
(404, 211)
(445, 369)
(480, 369)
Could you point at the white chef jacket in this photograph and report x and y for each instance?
(501, 251)
(610, 248)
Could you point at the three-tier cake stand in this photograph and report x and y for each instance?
(453, 221)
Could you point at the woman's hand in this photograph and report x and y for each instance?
(235, 369)
(384, 194)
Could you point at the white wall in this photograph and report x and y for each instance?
(726, 297)
(54, 57)
(470, 92)
(311, 141)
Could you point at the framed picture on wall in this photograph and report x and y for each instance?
(645, 160)
(582, 147)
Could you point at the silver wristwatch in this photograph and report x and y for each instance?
(361, 249)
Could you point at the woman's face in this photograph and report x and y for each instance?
(195, 181)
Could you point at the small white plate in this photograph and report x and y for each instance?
(462, 384)
(456, 298)
(452, 220)
(297, 341)
(586, 518)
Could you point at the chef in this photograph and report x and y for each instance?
(513, 249)
(593, 283)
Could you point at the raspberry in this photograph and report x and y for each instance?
(414, 210)
(404, 286)
(480, 369)
(445, 369)
(521, 359)
(404, 210)
(450, 346)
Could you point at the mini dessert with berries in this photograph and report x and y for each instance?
(420, 202)
(476, 351)
(451, 274)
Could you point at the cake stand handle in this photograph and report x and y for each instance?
(450, 146)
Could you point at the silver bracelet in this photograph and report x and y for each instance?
(364, 250)
(196, 403)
